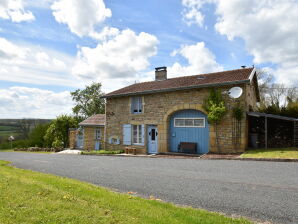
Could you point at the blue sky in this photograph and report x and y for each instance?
(48, 48)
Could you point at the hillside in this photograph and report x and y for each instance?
(19, 128)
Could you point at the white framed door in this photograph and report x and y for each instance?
(152, 134)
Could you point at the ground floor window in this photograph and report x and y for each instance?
(137, 134)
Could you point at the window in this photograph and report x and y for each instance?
(189, 122)
(133, 134)
(137, 134)
(136, 105)
(97, 134)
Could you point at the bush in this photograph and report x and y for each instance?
(16, 144)
(38, 149)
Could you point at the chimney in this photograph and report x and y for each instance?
(160, 73)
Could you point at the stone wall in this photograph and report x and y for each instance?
(89, 138)
(157, 110)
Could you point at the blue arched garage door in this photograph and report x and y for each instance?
(189, 126)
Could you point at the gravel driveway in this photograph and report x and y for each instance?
(265, 191)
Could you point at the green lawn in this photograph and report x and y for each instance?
(32, 197)
(99, 152)
(286, 153)
(12, 150)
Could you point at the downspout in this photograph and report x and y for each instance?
(105, 127)
(266, 133)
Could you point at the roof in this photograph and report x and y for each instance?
(258, 114)
(237, 76)
(94, 120)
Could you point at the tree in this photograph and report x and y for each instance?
(24, 126)
(216, 109)
(88, 101)
(57, 133)
(274, 96)
(36, 136)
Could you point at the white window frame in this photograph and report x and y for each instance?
(139, 134)
(97, 134)
(187, 126)
(139, 104)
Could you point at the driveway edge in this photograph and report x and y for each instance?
(196, 157)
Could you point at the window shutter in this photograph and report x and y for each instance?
(127, 134)
(143, 134)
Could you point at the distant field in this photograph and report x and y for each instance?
(6, 131)
(10, 127)
(5, 134)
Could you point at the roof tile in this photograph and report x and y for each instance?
(94, 120)
(195, 81)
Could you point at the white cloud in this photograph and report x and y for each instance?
(23, 102)
(105, 34)
(80, 16)
(35, 65)
(268, 28)
(123, 56)
(192, 11)
(200, 60)
(14, 10)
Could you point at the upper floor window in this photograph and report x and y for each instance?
(97, 134)
(136, 105)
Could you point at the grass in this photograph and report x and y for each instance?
(32, 197)
(281, 153)
(12, 150)
(100, 152)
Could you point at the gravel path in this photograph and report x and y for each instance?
(265, 191)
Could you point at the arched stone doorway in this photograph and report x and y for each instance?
(189, 127)
(164, 136)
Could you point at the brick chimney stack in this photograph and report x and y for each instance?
(160, 73)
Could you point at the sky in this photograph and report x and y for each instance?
(51, 47)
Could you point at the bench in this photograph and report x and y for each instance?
(131, 150)
(188, 147)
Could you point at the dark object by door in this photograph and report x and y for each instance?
(188, 147)
(254, 140)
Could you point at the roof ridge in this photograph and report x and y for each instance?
(179, 77)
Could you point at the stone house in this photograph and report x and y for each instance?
(163, 115)
(89, 135)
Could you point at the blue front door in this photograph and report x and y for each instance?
(80, 139)
(189, 126)
(152, 139)
(97, 145)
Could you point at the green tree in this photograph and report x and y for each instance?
(57, 132)
(216, 109)
(88, 101)
(37, 135)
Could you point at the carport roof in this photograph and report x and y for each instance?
(230, 77)
(258, 114)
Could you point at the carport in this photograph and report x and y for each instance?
(272, 131)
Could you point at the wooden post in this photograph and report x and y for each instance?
(266, 133)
